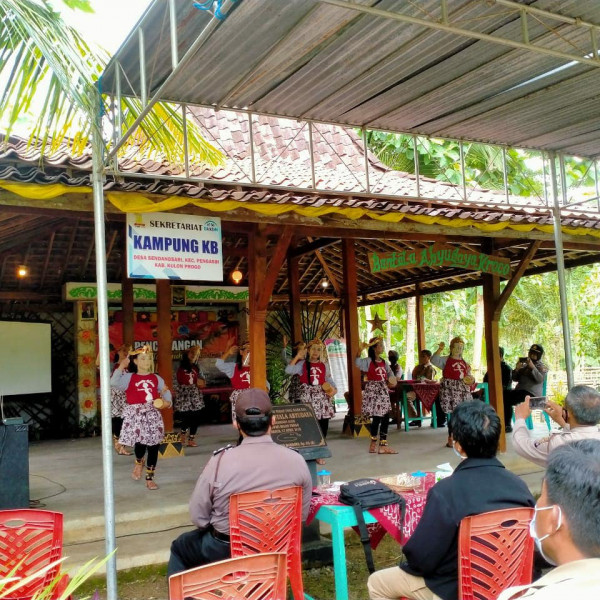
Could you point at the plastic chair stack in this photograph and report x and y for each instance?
(495, 552)
(29, 541)
(258, 577)
(269, 521)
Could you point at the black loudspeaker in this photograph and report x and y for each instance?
(14, 466)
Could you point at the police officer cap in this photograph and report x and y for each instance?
(537, 348)
(253, 398)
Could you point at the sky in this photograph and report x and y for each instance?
(109, 25)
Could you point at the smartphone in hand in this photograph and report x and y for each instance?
(538, 402)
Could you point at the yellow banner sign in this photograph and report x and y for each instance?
(440, 255)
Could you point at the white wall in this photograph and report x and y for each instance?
(25, 358)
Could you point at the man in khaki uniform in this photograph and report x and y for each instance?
(579, 420)
(258, 463)
(566, 528)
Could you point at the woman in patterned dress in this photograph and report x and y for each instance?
(188, 399)
(238, 371)
(317, 388)
(143, 426)
(457, 383)
(376, 396)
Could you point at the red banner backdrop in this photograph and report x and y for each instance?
(209, 329)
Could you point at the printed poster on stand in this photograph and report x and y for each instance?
(174, 246)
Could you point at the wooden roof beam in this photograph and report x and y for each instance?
(313, 245)
(334, 282)
(279, 256)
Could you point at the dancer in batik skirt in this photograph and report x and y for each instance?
(143, 426)
(238, 371)
(317, 388)
(457, 383)
(188, 397)
(376, 396)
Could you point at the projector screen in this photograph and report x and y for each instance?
(25, 358)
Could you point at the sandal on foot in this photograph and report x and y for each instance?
(448, 444)
(386, 450)
(137, 470)
(191, 443)
(320, 461)
(122, 451)
(373, 447)
(151, 484)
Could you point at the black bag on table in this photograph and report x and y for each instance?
(364, 494)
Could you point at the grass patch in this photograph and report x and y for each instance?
(150, 582)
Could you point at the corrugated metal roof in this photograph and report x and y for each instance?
(306, 59)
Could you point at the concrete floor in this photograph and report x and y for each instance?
(66, 476)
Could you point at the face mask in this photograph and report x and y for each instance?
(533, 532)
(457, 452)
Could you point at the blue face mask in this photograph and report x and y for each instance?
(533, 532)
(457, 452)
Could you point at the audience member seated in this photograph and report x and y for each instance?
(529, 374)
(566, 527)
(579, 420)
(394, 366)
(258, 463)
(425, 371)
(479, 484)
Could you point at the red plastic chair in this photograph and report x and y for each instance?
(257, 577)
(265, 521)
(30, 540)
(495, 552)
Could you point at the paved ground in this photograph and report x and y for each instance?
(67, 476)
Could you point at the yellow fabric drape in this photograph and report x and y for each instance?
(134, 202)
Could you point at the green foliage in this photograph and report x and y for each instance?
(82, 5)
(10, 584)
(41, 57)
(484, 164)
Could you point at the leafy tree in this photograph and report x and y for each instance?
(440, 159)
(43, 57)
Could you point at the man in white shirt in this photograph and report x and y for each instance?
(579, 420)
(566, 527)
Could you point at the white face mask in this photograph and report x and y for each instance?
(533, 532)
(457, 452)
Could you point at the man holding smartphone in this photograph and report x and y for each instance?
(529, 373)
(579, 420)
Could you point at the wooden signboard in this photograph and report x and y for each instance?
(297, 427)
(440, 255)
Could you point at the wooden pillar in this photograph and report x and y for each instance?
(165, 342)
(294, 289)
(491, 295)
(127, 309)
(257, 267)
(350, 298)
(420, 321)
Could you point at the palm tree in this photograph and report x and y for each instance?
(46, 65)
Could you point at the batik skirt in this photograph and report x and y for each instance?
(318, 399)
(452, 393)
(187, 398)
(118, 402)
(142, 424)
(376, 399)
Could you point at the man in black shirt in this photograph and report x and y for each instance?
(479, 484)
